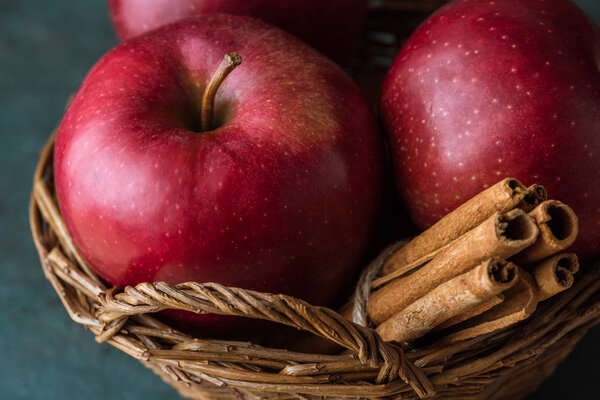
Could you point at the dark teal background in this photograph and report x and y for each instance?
(46, 47)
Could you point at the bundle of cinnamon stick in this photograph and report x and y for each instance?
(483, 267)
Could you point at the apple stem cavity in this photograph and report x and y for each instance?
(229, 63)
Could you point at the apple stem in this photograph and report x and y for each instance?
(229, 63)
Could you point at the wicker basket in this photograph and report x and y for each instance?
(508, 363)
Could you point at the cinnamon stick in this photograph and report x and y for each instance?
(552, 276)
(502, 197)
(500, 236)
(558, 226)
(520, 302)
(452, 298)
(471, 313)
(536, 194)
(555, 275)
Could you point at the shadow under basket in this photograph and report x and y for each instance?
(509, 363)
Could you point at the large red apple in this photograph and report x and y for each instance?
(489, 89)
(279, 197)
(327, 25)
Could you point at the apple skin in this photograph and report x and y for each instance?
(323, 24)
(281, 197)
(490, 89)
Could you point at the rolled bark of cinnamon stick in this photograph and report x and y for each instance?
(558, 226)
(452, 298)
(502, 197)
(552, 276)
(536, 195)
(555, 274)
(347, 309)
(471, 313)
(520, 302)
(499, 237)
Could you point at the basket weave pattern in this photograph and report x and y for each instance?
(508, 363)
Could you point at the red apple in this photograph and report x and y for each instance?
(280, 196)
(490, 89)
(325, 24)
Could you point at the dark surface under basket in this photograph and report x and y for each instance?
(45, 49)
